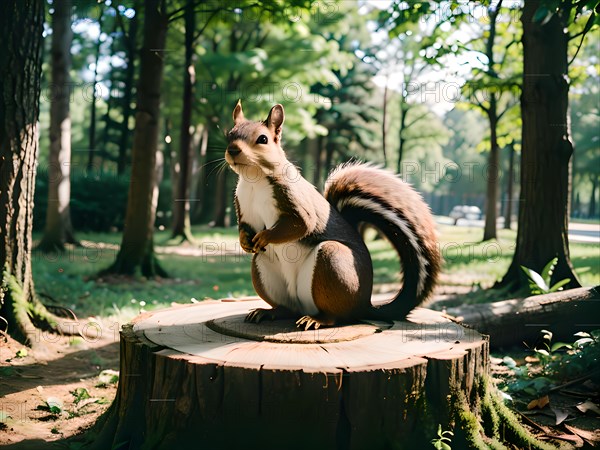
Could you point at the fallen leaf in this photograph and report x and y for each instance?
(592, 436)
(588, 406)
(561, 415)
(539, 402)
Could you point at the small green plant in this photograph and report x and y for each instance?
(80, 394)
(53, 405)
(442, 442)
(540, 283)
(107, 377)
(555, 362)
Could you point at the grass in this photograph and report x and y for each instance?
(70, 279)
(470, 262)
(214, 270)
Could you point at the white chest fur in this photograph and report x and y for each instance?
(257, 203)
(285, 269)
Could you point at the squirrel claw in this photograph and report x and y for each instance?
(258, 315)
(308, 322)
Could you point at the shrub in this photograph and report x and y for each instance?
(98, 203)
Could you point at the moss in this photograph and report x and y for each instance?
(511, 429)
(469, 432)
(490, 418)
(26, 314)
(489, 424)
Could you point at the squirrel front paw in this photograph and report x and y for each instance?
(260, 241)
(246, 241)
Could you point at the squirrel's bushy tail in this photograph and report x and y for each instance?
(364, 193)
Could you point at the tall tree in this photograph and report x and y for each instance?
(58, 229)
(546, 148)
(493, 113)
(21, 26)
(508, 207)
(181, 207)
(130, 38)
(93, 107)
(137, 246)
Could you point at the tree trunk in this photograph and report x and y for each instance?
(329, 149)
(489, 230)
(592, 207)
(318, 172)
(131, 49)
(199, 177)
(222, 200)
(21, 27)
(182, 227)
(59, 230)
(137, 246)
(544, 204)
(92, 130)
(493, 172)
(215, 381)
(401, 139)
(509, 187)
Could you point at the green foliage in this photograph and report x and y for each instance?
(98, 202)
(552, 363)
(443, 440)
(53, 405)
(540, 283)
(80, 394)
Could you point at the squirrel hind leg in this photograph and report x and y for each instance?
(342, 283)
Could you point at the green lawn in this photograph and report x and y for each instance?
(214, 271)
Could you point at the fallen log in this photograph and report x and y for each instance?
(512, 322)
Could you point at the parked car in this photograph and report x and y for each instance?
(465, 212)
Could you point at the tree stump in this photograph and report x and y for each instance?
(198, 376)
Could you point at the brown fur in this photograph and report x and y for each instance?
(343, 277)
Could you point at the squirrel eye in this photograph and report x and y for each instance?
(262, 139)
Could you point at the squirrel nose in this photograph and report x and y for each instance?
(233, 151)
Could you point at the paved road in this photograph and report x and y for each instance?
(578, 232)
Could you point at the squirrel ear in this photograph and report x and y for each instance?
(238, 113)
(275, 119)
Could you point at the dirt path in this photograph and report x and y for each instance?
(64, 376)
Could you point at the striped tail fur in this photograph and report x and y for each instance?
(364, 193)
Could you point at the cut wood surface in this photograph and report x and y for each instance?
(199, 373)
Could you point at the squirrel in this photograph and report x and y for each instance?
(310, 260)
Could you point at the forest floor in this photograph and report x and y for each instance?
(47, 398)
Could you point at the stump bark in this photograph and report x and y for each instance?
(198, 376)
